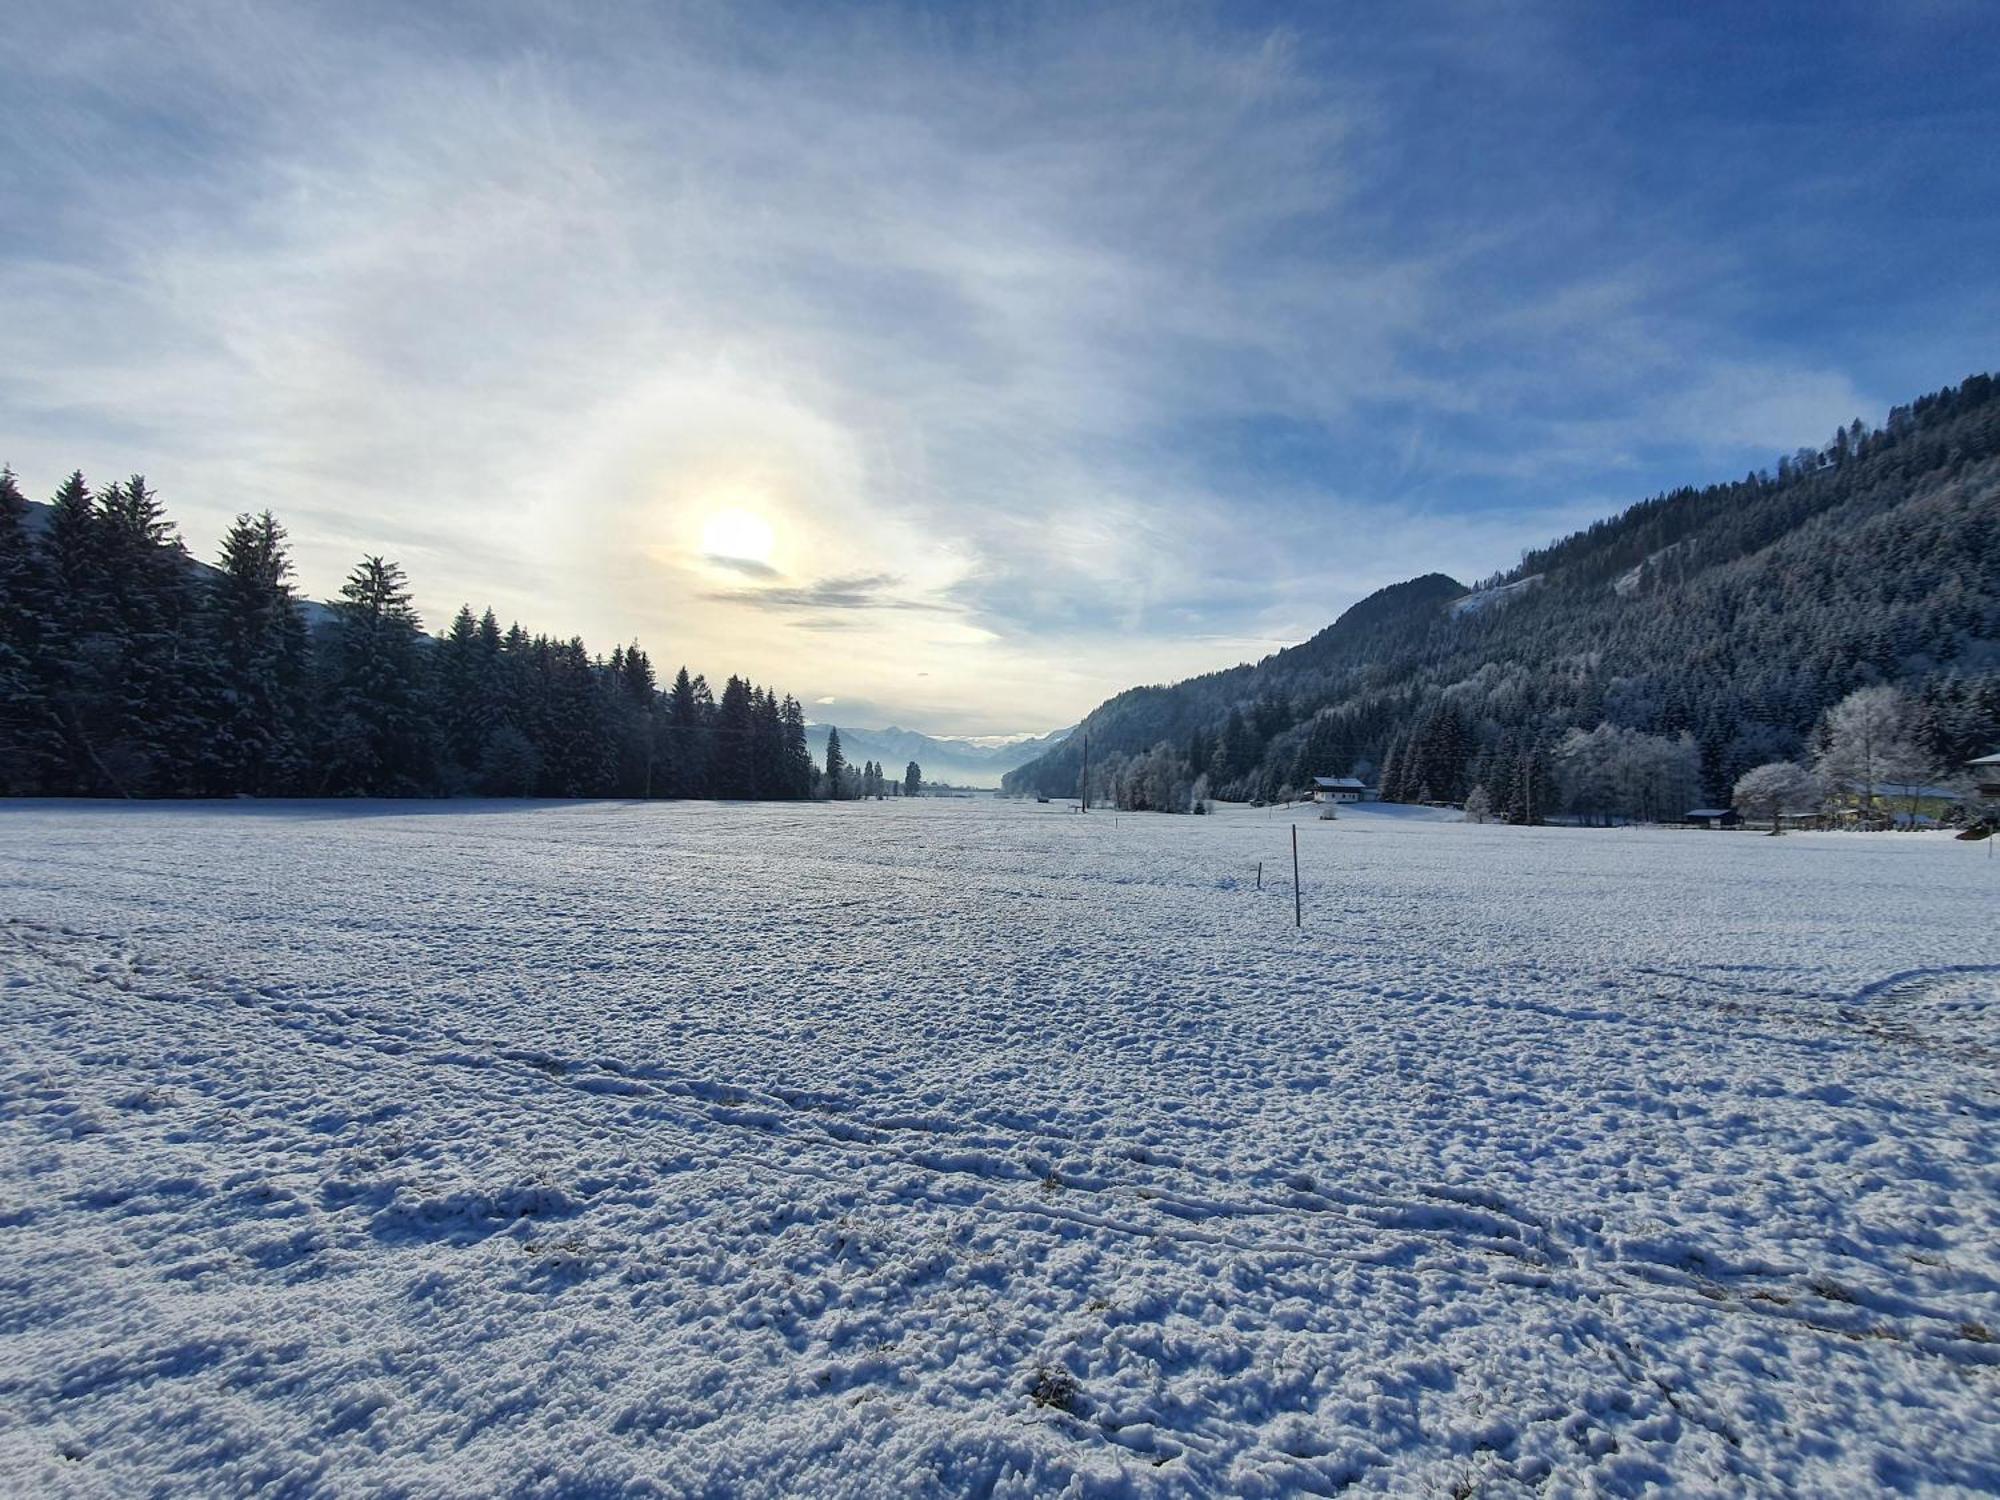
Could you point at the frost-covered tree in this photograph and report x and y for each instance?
(1776, 788)
(1865, 741)
(509, 764)
(1611, 770)
(1478, 806)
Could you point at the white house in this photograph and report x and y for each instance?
(1340, 789)
(1986, 776)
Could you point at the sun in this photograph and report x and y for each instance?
(738, 536)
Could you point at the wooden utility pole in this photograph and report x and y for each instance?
(1298, 903)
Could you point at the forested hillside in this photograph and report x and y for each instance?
(127, 669)
(1706, 630)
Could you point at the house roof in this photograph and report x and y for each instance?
(1986, 760)
(1710, 812)
(1340, 783)
(1913, 789)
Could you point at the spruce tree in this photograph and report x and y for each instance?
(378, 734)
(463, 701)
(262, 664)
(687, 734)
(155, 680)
(836, 766)
(796, 752)
(31, 742)
(579, 758)
(635, 699)
(735, 767)
(73, 631)
(767, 739)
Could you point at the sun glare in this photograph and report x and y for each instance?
(737, 536)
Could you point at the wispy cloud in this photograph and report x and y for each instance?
(746, 565)
(853, 591)
(1060, 347)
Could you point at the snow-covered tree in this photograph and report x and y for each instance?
(1866, 740)
(1776, 788)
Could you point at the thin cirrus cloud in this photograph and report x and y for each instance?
(1059, 347)
(854, 591)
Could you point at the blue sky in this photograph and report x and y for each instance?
(959, 366)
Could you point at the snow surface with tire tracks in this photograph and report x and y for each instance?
(941, 1148)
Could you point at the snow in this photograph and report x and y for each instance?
(1484, 599)
(934, 1148)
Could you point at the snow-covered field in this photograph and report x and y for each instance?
(980, 1148)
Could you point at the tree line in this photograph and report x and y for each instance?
(128, 669)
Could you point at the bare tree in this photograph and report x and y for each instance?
(1866, 741)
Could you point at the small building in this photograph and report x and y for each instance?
(1986, 777)
(1339, 789)
(1713, 817)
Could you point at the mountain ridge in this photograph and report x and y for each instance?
(1733, 613)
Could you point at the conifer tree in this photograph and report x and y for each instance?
(31, 745)
(378, 734)
(463, 699)
(796, 753)
(262, 665)
(687, 734)
(768, 744)
(154, 680)
(836, 766)
(573, 732)
(735, 767)
(635, 698)
(72, 631)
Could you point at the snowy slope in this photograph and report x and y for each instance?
(940, 1148)
(1495, 597)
